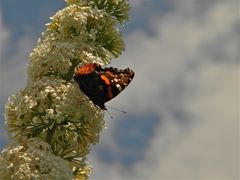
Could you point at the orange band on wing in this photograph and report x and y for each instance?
(109, 88)
(87, 69)
(105, 79)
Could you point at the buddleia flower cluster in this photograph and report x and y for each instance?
(32, 158)
(51, 108)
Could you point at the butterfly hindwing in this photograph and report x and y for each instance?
(119, 79)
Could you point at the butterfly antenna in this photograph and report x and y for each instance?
(109, 114)
(117, 109)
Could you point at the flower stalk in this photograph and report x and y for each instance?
(51, 111)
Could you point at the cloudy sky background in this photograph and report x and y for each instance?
(182, 118)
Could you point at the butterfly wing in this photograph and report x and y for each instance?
(101, 85)
(91, 84)
(116, 81)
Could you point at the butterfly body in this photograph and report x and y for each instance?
(102, 84)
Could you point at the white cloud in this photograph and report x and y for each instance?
(136, 3)
(178, 57)
(158, 61)
(211, 148)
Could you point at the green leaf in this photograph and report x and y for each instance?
(119, 9)
(116, 8)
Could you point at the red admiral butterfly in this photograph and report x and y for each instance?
(102, 84)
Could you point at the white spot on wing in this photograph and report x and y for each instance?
(119, 87)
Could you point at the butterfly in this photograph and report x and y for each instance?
(102, 84)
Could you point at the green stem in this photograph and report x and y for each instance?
(50, 134)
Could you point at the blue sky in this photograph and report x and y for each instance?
(182, 118)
